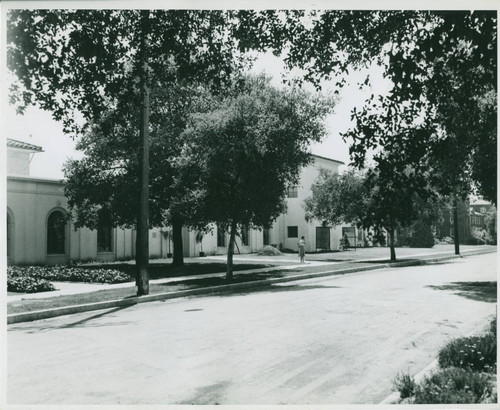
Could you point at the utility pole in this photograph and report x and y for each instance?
(142, 241)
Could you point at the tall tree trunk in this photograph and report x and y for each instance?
(230, 252)
(142, 242)
(178, 259)
(456, 239)
(391, 244)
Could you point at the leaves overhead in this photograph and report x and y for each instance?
(85, 61)
(441, 110)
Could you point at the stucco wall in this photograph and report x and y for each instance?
(31, 200)
(295, 215)
(18, 162)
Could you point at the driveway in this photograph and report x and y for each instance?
(326, 341)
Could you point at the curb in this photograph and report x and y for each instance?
(394, 397)
(68, 310)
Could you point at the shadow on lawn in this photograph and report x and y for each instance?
(189, 269)
(167, 270)
(481, 291)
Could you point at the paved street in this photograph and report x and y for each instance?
(335, 340)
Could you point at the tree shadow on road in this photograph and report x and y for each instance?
(268, 288)
(221, 280)
(481, 291)
(45, 326)
(332, 260)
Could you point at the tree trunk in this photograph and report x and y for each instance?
(455, 226)
(142, 242)
(178, 259)
(230, 252)
(391, 244)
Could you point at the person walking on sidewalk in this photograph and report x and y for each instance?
(302, 249)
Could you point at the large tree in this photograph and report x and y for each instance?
(378, 198)
(441, 107)
(84, 62)
(248, 151)
(337, 198)
(103, 181)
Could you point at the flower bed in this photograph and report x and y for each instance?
(35, 278)
(28, 284)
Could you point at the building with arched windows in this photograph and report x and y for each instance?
(40, 231)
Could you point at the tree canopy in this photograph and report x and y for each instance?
(84, 61)
(441, 108)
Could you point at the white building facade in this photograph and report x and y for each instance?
(40, 232)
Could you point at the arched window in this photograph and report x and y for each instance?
(9, 235)
(56, 233)
(221, 236)
(266, 237)
(245, 236)
(104, 233)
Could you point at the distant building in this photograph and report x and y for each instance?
(39, 230)
(445, 227)
(478, 211)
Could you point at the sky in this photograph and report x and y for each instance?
(37, 127)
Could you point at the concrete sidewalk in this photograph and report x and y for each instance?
(315, 268)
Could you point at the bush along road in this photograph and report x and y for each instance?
(466, 373)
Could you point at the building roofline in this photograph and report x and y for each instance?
(12, 143)
(36, 179)
(328, 159)
(480, 202)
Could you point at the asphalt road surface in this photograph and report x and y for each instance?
(330, 341)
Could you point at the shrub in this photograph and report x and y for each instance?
(403, 236)
(493, 327)
(422, 236)
(445, 241)
(454, 385)
(28, 284)
(477, 353)
(269, 250)
(405, 384)
(474, 239)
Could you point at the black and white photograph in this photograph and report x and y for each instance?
(267, 204)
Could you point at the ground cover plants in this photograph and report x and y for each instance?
(24, 278)
(27, 284)
(466, 373)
